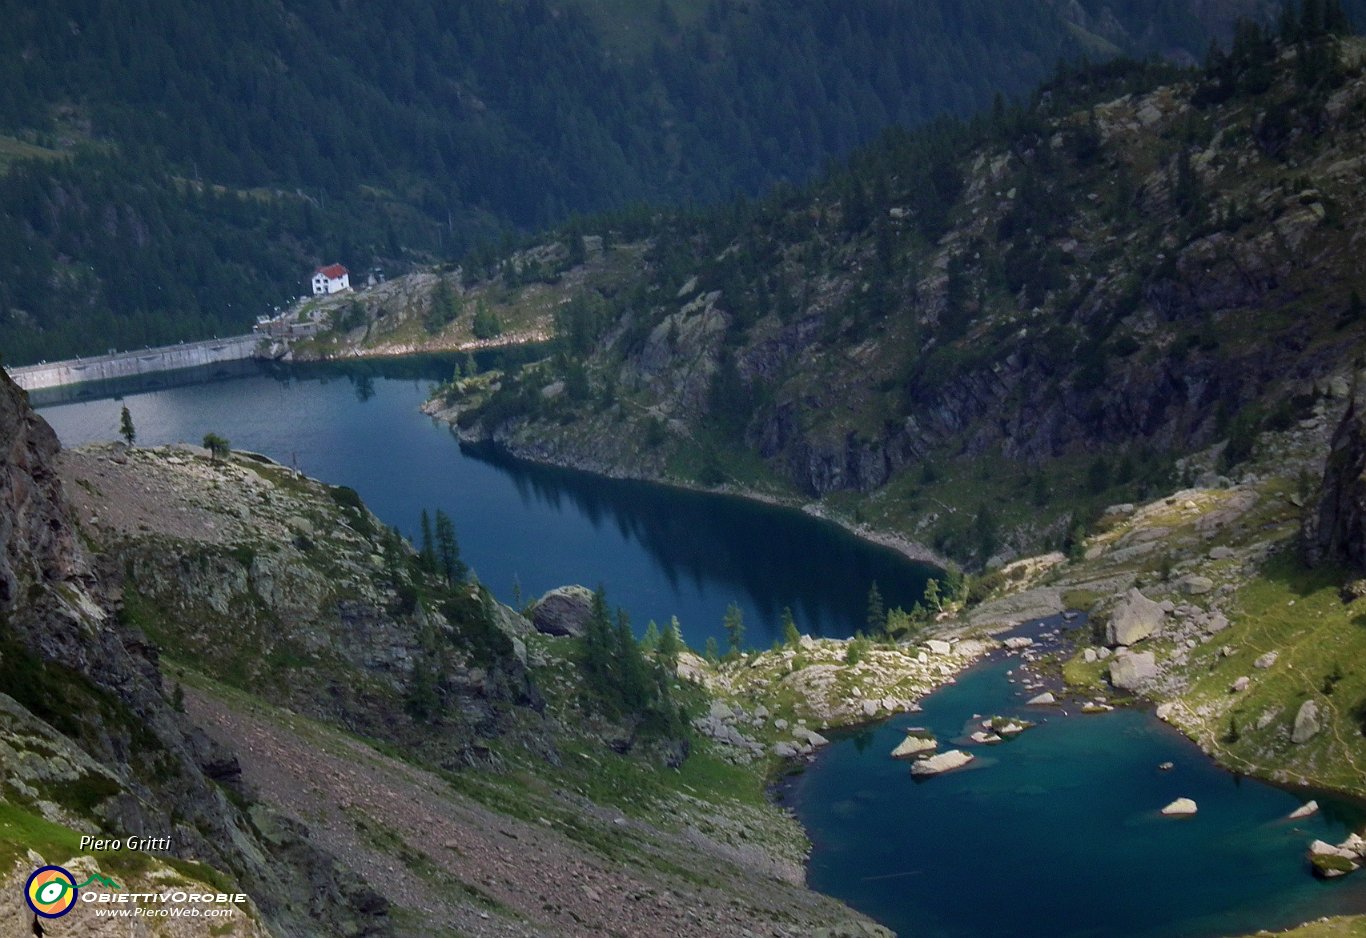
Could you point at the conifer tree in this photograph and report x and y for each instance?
(448, 550)
(427, 550)
(932, 596)
(671, 643)
(126, 430)
(734, 624)
(791, 637)
(877, 612)
(649, 642)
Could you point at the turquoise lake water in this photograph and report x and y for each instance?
(1053, 834)
(1057, 833)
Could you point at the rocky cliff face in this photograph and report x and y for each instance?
(1334, 529)
(288, 589)
(1129, 271)
(119, 758)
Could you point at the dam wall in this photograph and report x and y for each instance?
(132, 364)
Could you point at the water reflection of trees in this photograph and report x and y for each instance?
(775, 557)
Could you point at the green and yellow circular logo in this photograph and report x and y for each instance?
(50, 891)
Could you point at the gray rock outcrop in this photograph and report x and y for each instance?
(1133, 619)
(913, 746)
(1334, 526)
(1131, 671)
(944, 762)
(1307, 724)
(563, 611)
(1195, 585)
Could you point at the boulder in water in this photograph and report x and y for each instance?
(1181, 807)
(944, 762)
(914, 745)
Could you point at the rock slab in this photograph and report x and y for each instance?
(563, 611)
(913, 746)
(944, 762)
(1134, 619)
(1307, 723)
(1130, 672)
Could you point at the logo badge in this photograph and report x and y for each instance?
(51, 891)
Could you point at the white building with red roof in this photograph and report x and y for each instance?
(333, 278)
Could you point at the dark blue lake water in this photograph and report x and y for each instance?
(659, 551)
(1053, 834)
(1057, 833)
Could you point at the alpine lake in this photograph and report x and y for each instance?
(1056, 832)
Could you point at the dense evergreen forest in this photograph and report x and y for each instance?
(175, 170)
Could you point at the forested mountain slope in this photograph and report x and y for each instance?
(174, 171)
(982, 333)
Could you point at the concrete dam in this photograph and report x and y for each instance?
(132, 364)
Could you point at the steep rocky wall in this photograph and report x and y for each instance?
(1334, 528)
(36, 543)
(267, 582)
(66, 656)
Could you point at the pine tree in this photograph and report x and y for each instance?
(218, 447)
(126, 430)
(877, 612)
(598, 642)
(671, 643)
(650, 641)
(734, 624)
(448, 550)
(791, 637)
(633, 687)
(932, 596)
(712, 652)
(427, 551)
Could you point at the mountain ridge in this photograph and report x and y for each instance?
(1092, 280)
(166, 203)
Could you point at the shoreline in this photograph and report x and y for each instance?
(528, 339)
(909, 549)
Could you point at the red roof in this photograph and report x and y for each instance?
(332, 272)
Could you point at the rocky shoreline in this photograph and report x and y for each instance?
(907, 547)
(1037, 594)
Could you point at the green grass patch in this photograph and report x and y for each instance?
(12, 150)
(1299, 614)
(22, 831)
(1085, 675)
(1080, 599)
